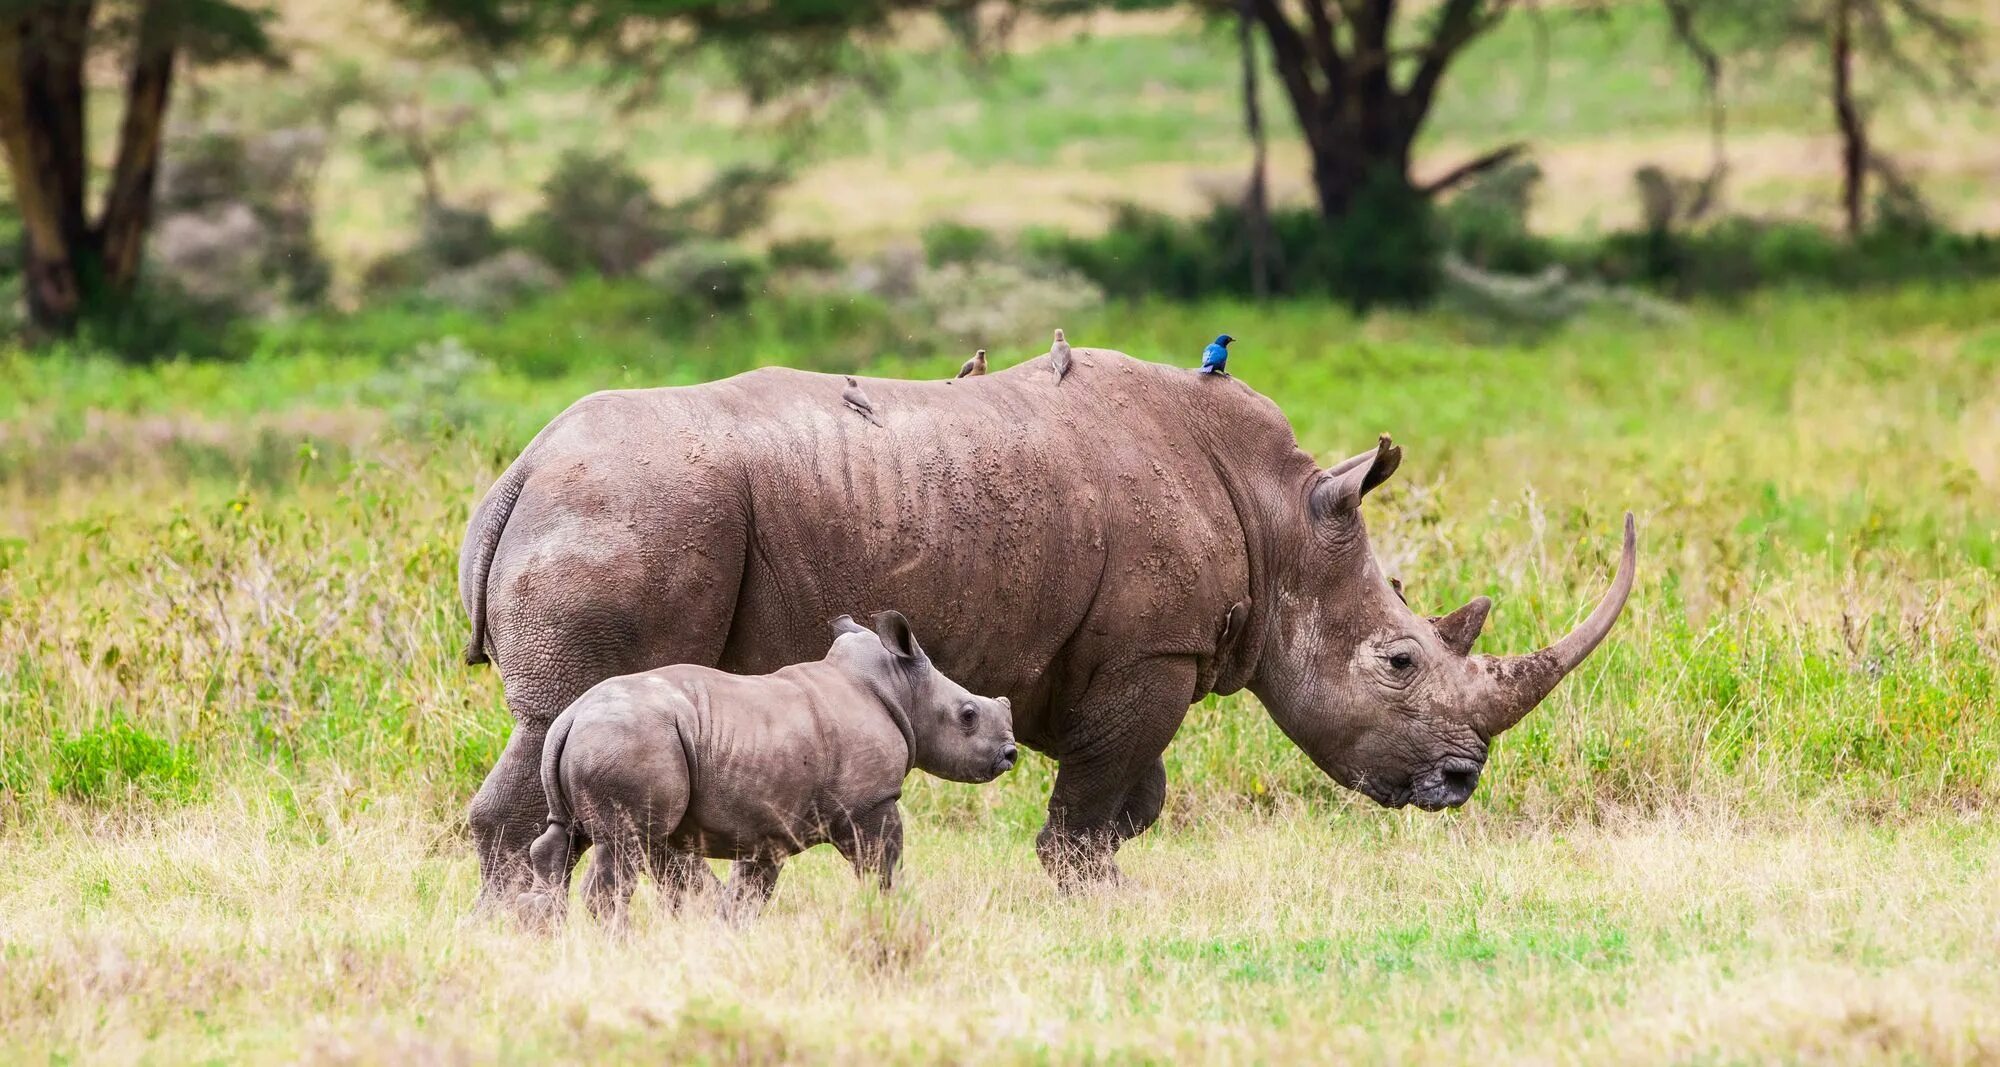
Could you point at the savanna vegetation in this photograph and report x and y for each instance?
(237, 737)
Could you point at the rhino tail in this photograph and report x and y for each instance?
(482, 541)
(552, 753)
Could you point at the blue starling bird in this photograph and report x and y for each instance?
(1215, 358)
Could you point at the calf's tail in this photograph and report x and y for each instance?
(550, 852)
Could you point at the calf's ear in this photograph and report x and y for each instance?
(1342, 485)
(894, 630)
(845, 624)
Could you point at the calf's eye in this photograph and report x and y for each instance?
(967, 714)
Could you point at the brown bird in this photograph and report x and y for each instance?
(1059, 356)
(857, 400)
(974, 367)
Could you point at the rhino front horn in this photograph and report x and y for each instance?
(1520, 682)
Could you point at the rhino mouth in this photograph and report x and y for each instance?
(1446, 785)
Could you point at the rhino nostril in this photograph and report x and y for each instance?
(1460, 780)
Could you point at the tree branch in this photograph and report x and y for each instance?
(1472, 167)
(1325, 49)
(1460, 22)
(128, 204)
(1289, 51)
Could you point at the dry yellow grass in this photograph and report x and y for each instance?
(225, 932)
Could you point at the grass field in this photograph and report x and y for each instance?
(236, 740)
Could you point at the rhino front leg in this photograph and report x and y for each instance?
(751, 883)
(681, 875)
(873, 843)
(1111, 783)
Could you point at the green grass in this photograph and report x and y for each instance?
(236, 739)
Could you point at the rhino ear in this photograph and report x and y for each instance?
(894, 630)
(845, 624)
(1342, 485)
(1461, 628)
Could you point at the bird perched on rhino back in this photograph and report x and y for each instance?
(1215, 358)
(858, 402)
(1059, 356)
(974, 367)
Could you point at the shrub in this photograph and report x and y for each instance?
(955, 242)
(804, 253)
(1486, 224)
(236, 215)
(494, 284)
(598, 216)
(734, 202)
(457, 236)
(972, 303)
(714, 273)
(427, 391)
(1384, 252)
(109, 762)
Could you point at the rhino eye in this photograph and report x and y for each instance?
(968, 714)
(1401, 661)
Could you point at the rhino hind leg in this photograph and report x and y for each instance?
(1110, 780)
(607, 889)
(506, 816)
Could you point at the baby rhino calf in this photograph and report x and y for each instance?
(662, 768)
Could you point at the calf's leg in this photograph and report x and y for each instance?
(873, 842)
(552, 857)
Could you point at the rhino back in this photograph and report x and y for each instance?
(1029, 531)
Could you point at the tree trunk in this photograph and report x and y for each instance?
(42, 132)
(1258, 206)
(70, 263)
(1853, 134)
(1347, 161)
(128, 206)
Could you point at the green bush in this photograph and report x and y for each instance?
(805, 253)
(457, 236)
(1383, 253)
(1738, 256)
(1487, 222)
(117, 760)
(955, 242)
(715, 273)
(598, 216)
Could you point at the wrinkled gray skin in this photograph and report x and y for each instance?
(1103, 553)
(663, 768)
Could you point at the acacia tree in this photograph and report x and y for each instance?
(77, 261)
(74, 260)
(1916, 42)
(1362, 76)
